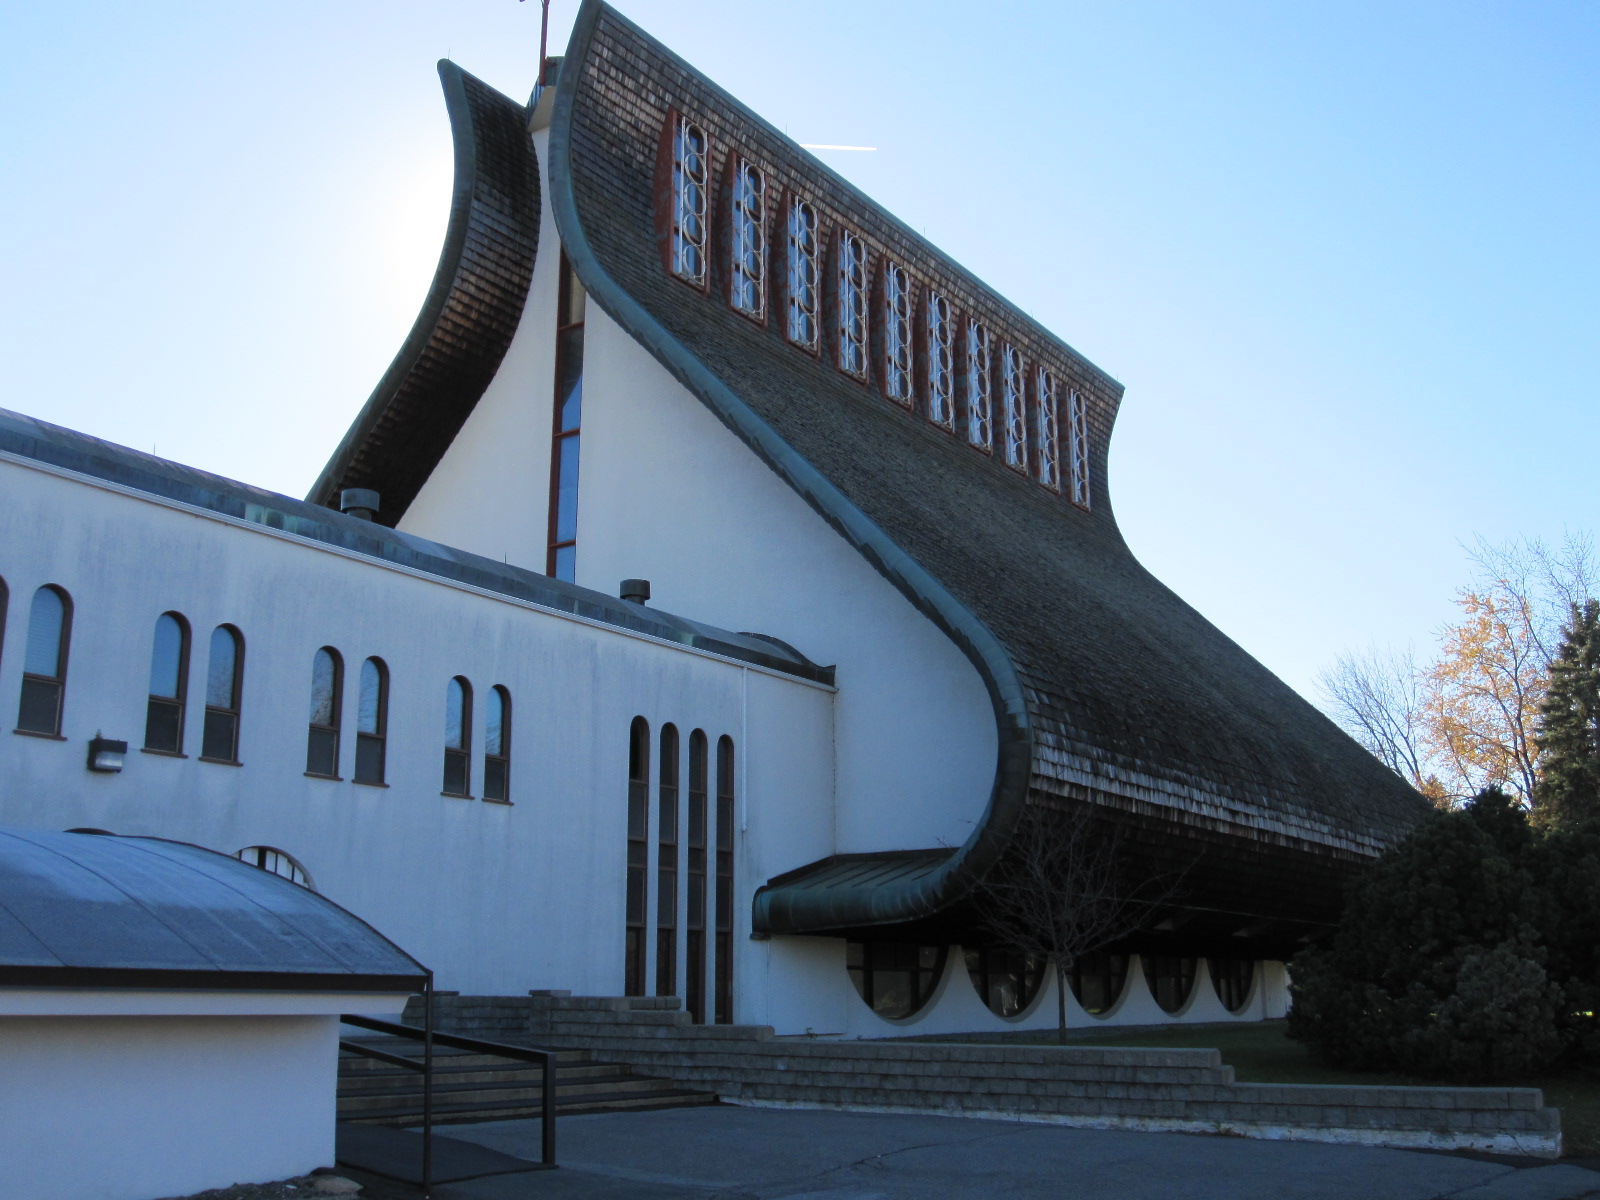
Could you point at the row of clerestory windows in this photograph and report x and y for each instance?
(44, 683)
(874, 325)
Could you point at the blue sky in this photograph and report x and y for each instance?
(1344, 257)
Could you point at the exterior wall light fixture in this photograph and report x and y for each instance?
(105, 755)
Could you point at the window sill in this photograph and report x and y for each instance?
(320, 775)
(163, 753)
(492, 800)
(458, 795)
(49, 737)
(222, 762)
(378, 783)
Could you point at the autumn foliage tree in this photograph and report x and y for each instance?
(1467, 720)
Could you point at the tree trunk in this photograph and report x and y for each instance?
(1061, 1005)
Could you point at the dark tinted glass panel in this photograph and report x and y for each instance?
(324, 689)
(322, 751)
(1232, 978)
(166, 659)
(496, 777)
(221, 737)
(163, 725)
(567, 490)
(1170, 979)
(572, 296)
(369, 758)
(40, 711)
(895, 979)
(46, 623)
(1005, 978)
(222, 672)
(1097, 981)
(455, 772)
(569, 387)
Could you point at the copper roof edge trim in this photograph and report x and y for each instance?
(775, 909)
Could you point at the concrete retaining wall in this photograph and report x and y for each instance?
(1178, 1090)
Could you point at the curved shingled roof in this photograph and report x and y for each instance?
(471, 311)
(1107, 688)
(90, 910)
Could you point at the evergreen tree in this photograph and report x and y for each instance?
(1569, 725)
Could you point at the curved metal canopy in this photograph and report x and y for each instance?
(87, 910)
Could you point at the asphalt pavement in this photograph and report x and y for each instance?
(731, 1153)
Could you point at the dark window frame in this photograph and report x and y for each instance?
(834, 301)
(168, 710)
(497, 763)
(738, 221)
(866, 962)
(224, 722)
(667, 864)
(372, 746)
(323, 742)
(722, 971)
(458, 757)
(569, 343)
(785, 269)
(36, 687)
(636, 871)
(993, 968)
(697, 808)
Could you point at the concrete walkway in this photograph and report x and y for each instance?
(730, 1153)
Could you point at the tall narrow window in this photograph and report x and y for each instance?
(169, 680)
(327, 692)
(802, 275)
(219, 741)
(497, 746)
(689, 171)
(44, 662)
(850, 290)
(897, 359)
(1047, 426)
(940, 336)
(1078, 447)
(1014, 406)
(457, 737)
(5, 597)
(638, 877)
(667, 865)
(980, 393)
(372, 722)
(695, 918)
(747, 277)
(562, 558)
(723, 1007)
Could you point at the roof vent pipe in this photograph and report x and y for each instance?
(635, 591)
(359, 502)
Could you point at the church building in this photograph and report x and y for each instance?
(705, 602)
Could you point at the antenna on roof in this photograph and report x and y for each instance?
(544, 34)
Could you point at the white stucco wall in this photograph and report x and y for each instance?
(494, 898)
(132, 1108)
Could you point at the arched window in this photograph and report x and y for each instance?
(276, 862)
(44, 662)
(1170, 978)
(1014, 406)
(372, 722)
(1232, 978)
(1078, 447)
(802, 274)
(219, 741)
(694, 992)
(667, 865)
(939, 331)
(980, 386)
(1047, 429)
(327, 702)
(1097, 981)
(1006, 978)
(850, 303)
(747, 234)
(724, 968)
(638, 867)
(497, 746)
(895, 978)
(4, 598)
(457, 737)
(169, 684)
(898, 363)
(690, 172)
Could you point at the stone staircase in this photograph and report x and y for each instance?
(1179, 1090)
(468, 1086)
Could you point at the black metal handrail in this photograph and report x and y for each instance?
(429, 1037)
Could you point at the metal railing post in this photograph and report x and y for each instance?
(427, 1088)
(548, 1149)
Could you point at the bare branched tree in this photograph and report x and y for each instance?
(1465, 721)
(1067, 889)
(1377, 698)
